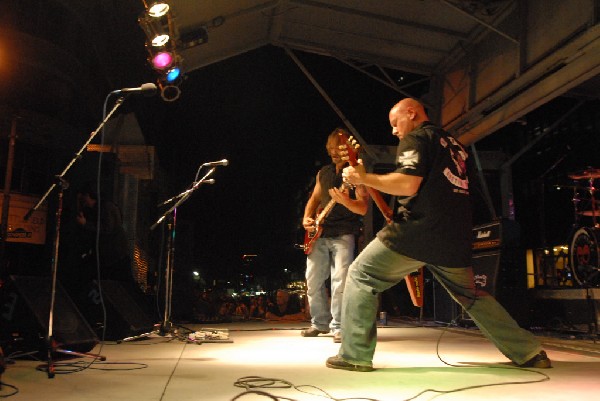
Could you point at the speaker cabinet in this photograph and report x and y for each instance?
(25, 311)
(445, 309)
(126, 312)
(485, 270)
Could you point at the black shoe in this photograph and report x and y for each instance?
(335, 362)
(312, 332)
(540, 361)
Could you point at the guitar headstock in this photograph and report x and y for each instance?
(349, 148)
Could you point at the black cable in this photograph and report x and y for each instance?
(252, 382)
(133, 364)
(259, 393)
(15, 389)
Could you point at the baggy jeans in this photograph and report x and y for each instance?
(378, 268)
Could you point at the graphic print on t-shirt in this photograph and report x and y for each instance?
(458, 176)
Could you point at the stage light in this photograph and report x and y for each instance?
(160, 40)
(168, 92)
(156, 29)
(173, 74)
(162, 60)
(157, 24)
(158, 9)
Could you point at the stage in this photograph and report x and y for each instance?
(168, 368)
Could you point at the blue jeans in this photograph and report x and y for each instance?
(378, 268)
(330, 257)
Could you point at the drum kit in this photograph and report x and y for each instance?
(583, 249)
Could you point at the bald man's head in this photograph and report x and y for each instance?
(405, 116)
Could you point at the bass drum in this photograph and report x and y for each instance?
(583, 256)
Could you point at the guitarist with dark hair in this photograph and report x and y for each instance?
(332, 220)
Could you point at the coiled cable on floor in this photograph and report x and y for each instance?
(252, 382)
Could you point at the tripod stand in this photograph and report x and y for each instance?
(52, 346)
(166, 326)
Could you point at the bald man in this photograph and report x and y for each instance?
(431, 226)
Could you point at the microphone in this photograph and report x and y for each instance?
(223, 162)
(147, 89)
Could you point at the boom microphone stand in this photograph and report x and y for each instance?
(52, 346)
(166, 326)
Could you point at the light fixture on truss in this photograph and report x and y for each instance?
(158, 24)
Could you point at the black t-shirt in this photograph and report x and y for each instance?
(340, 220)
(434, 225)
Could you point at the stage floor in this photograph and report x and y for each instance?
(167, 368)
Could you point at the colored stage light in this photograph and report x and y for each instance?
(173, 74)
(162, 60)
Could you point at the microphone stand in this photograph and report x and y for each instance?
(52, 346)
(166, 327)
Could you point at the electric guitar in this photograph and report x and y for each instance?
(414, 281)
(310, 236)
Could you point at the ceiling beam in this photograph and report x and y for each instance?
(382, 18)
(350, 54)
(562, 70)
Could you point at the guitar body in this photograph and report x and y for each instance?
(309, 239)
(414, 282)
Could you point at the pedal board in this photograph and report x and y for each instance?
(209, 335)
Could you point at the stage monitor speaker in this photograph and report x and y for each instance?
(126, 314)
(25, 312)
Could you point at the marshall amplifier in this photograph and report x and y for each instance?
(487, 236)
(499, 265)
(494, 235)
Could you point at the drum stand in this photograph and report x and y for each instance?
(52, 346)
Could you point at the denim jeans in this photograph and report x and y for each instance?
(330, 257)
(378, 268)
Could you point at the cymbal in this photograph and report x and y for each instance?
(590, 213)
(586, 174)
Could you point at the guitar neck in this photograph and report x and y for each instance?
(352, 148)
(328, 207)
(381, 204)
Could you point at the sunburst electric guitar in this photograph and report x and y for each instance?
(414, 281)
(310, 236)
